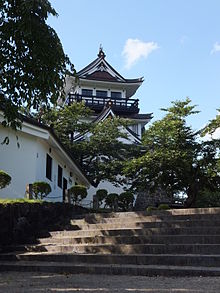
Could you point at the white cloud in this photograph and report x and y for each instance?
(216, 48)
(134, 49)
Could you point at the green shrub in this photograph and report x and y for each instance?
(151, 208)
(163, 206)
(7, 201)
(208, 199)
(125, 201)
(77, 193)
(40, 189)
(5, 179)
(101, 195)
(111, 201)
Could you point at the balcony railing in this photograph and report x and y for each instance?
(97, 103)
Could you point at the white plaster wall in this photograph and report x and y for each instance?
(78, 89)
(19, 163)
(42, 150)
(27, 164)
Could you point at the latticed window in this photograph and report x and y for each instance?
(86, 92)
(101, 94)
(116, 95)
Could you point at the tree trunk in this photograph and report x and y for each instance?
(191, 194)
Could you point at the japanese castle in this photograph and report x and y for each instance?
(106, 92)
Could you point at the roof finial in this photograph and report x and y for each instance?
(101, 53)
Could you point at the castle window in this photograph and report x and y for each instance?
(86, 92)
(60, 176)
(49, 167)
(116, 95)
(101, 94)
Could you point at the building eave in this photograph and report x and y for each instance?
(33, 127)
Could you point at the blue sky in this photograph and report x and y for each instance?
(174, 44)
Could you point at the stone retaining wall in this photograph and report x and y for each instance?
(23, 222)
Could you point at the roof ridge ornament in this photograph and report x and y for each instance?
(101, 53)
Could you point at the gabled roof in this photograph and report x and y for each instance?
(106, 112)
(100, 69)
(99, 73)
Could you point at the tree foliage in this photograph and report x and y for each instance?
(126, 201)
(213, 124)
(32, 62)
(102, 155)
(41, 189)
(111, 201)
(208, 199)
(101, 194)
(5, 179)
(175, 160)
(77, 193)
(97, 147)
(67, 121)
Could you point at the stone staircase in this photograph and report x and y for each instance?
(173, 243)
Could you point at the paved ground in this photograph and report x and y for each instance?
(14, 282)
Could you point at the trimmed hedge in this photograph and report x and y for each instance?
(41, 189)
(101, 195)
(77, 193)
(5, 179)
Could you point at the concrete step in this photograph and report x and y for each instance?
(142, 217)
(163, 239)
(137, 231)
(138, 259)
(156, 224)
(172, 212)
(125, 248)
(136, 270)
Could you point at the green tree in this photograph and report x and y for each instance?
(32, 62)
(67, 121)
(213, 124)
(104, 153)
(99, 150)
(208, 199)
(174, 159)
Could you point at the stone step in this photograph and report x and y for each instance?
(171, 212)
(89, 219)
(137, 259)
(137, 231)
(136, 270)
(155, 224)
(163, 239)
(125, 248)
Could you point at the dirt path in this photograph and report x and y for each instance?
(14, 282)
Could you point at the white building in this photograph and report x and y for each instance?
(34, 153)
(106, 92)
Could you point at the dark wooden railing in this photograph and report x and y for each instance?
(97, 103)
